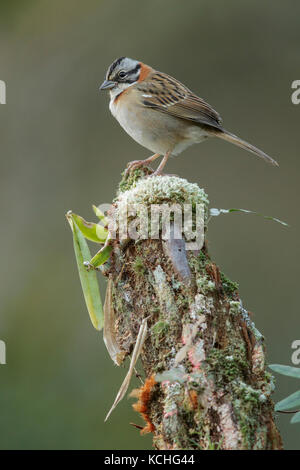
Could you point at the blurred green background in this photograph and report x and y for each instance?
(61, 149)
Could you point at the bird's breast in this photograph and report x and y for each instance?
(158, 132)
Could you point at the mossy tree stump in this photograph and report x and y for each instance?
(204, 361)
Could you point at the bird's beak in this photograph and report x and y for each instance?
(106, 85)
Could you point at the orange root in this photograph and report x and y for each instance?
(144, 394)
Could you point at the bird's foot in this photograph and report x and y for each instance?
(134, 165)
(158, 171)
(138, 163)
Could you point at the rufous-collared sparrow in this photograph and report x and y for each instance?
(161, 113)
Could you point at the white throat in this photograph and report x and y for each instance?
(117, 90)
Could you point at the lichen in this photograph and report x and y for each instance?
(143, 199)
(161, 189)
(235, 307)
(205, 285)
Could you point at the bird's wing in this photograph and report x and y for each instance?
(167, 95)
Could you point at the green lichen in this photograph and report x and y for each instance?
(143, 194)
(248, 393)
(235, 307)
(175, 283)
(161, 189)
(205, 285)
(164, 294)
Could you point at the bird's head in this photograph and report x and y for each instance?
(123, 73)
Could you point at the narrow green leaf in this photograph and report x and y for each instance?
(292, 401)
(88, 279)
(215, 212)
(286, 370)
(101, 256)
(94, 232)
(100, 215)
(296, 418)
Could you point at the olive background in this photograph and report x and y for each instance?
(61, 149)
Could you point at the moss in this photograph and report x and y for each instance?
(159, 329)
(129, 180)
(230, 287)
(214, 445)
(138, 266)
(229, 364)
(182, 301)
(246, 413)
(199, 262)
(223, 365)
(203, 258)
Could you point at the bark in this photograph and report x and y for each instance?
(206, 384)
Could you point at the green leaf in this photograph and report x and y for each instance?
(94, 232)
(292, 401)
(88, 279)
(296, 418)
(101, 256)
(100, 215)
(215, 212)
(286, 370)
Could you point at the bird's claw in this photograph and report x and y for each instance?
(134, 165)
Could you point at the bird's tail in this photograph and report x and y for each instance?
(223, 134)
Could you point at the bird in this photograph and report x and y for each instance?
(162, 114)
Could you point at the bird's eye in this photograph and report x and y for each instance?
(122, 74)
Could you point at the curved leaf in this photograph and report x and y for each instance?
(215, 212)
(88, 279)
(101, 256)
(292, 401)
(286, 370)
(94, 232)
(296, 418)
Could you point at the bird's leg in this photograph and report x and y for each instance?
(162, 164)
(137, 163)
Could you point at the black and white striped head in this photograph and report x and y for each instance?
(122, 73)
